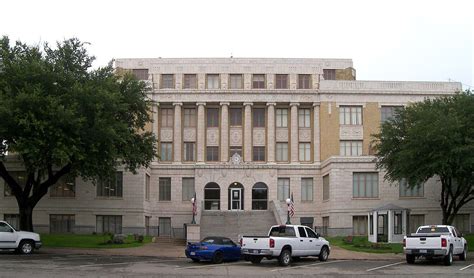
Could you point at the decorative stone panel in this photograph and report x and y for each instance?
(166, 134)
(212, 136)
(189, 135)
(282, 134)
(235, 136)
(304, 134)
(351, 132)
(259, 136)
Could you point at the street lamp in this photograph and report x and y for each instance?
(288, 202)
(193, 201)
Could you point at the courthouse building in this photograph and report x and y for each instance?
(245, 134)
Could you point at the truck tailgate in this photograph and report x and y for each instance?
(423, 242)
(255, 242)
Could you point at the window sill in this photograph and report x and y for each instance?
(411, 197)
(325, 201)
(108, 198)
(365, 198)
(164, 201)
(59, 197)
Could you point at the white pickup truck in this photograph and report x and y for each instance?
(285, 242)
(23, 242)
(435, 241)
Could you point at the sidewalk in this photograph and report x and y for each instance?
(174, 251)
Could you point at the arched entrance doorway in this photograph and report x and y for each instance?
(260, 196)
(236, 196)
(212, 196)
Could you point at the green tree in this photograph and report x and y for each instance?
(433, 138)
(58, 117)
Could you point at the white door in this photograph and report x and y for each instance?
(236, 198)
(303, 247)
(7, 236)
(314, 244)
(458, 246)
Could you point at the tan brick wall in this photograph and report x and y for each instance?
(329, 130)
(371, 120)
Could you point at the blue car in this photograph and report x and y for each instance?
(214, 249)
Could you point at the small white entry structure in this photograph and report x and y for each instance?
(388, 223)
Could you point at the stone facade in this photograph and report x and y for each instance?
(311, 120)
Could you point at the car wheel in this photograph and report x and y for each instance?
(448, 259)
(324, 254)
(26, 247)
(463, 255)
(410, 259)
(195, 260)
(256, 259)
(218, 257)
(285, 257)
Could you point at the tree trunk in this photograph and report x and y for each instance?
(26, 217)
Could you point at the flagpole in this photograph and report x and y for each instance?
(193, 200)
(288, 222)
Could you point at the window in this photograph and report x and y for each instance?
(111, 187)
(329, 74)
(5, 228)
(13, 220)
(212, 117)
(212, 153)
(461, 222)
(371, 224)
(365, 185)
(281, 117)
(140, 74)
(304, 81)
(415, 221)
(283, 189)
(166, 117)
(281, 152)
(164, 189)
(258, 117)
(306, 189)
(406, 191)
(189, 117)
(235, 150)
(359, 225)
(19, 177)
(109, 224)
(190, 81)
(166, 151)
(188, 189)
(350, 115)
(326, 187)
(304, 117)
(213, 81)
(61, 223)
(189, 153)
(65, 187)
(236, 117)
(309, 231)
(147, 187)
(302, 232)
(258, 153)
(235, 81)
(350, 148)
(167, 81)
(259, 196)
(258, 81)
(397, 223)
(281, 81)
(212, 196)
(305, 151)
(324, 231)
(283, 231)
(388, 112)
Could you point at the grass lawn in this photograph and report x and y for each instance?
(470, 242)
(88, 241)
(361, 244)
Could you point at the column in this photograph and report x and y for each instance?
(316, 134)
(271, 132)
(294, 132)
(155, 123)
(224, 131)
(177, 141)
(201, 132)
(248, 132)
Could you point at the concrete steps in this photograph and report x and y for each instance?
(233, 224)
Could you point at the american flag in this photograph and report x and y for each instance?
(195, 205)
(291, 206)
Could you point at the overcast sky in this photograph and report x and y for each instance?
(387, 40)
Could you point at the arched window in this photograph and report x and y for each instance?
(260, 196)
(212, 196)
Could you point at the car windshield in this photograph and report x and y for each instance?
(283, 231)
(432, 230)
(212, 240)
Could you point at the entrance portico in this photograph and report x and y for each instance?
(387, 223)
